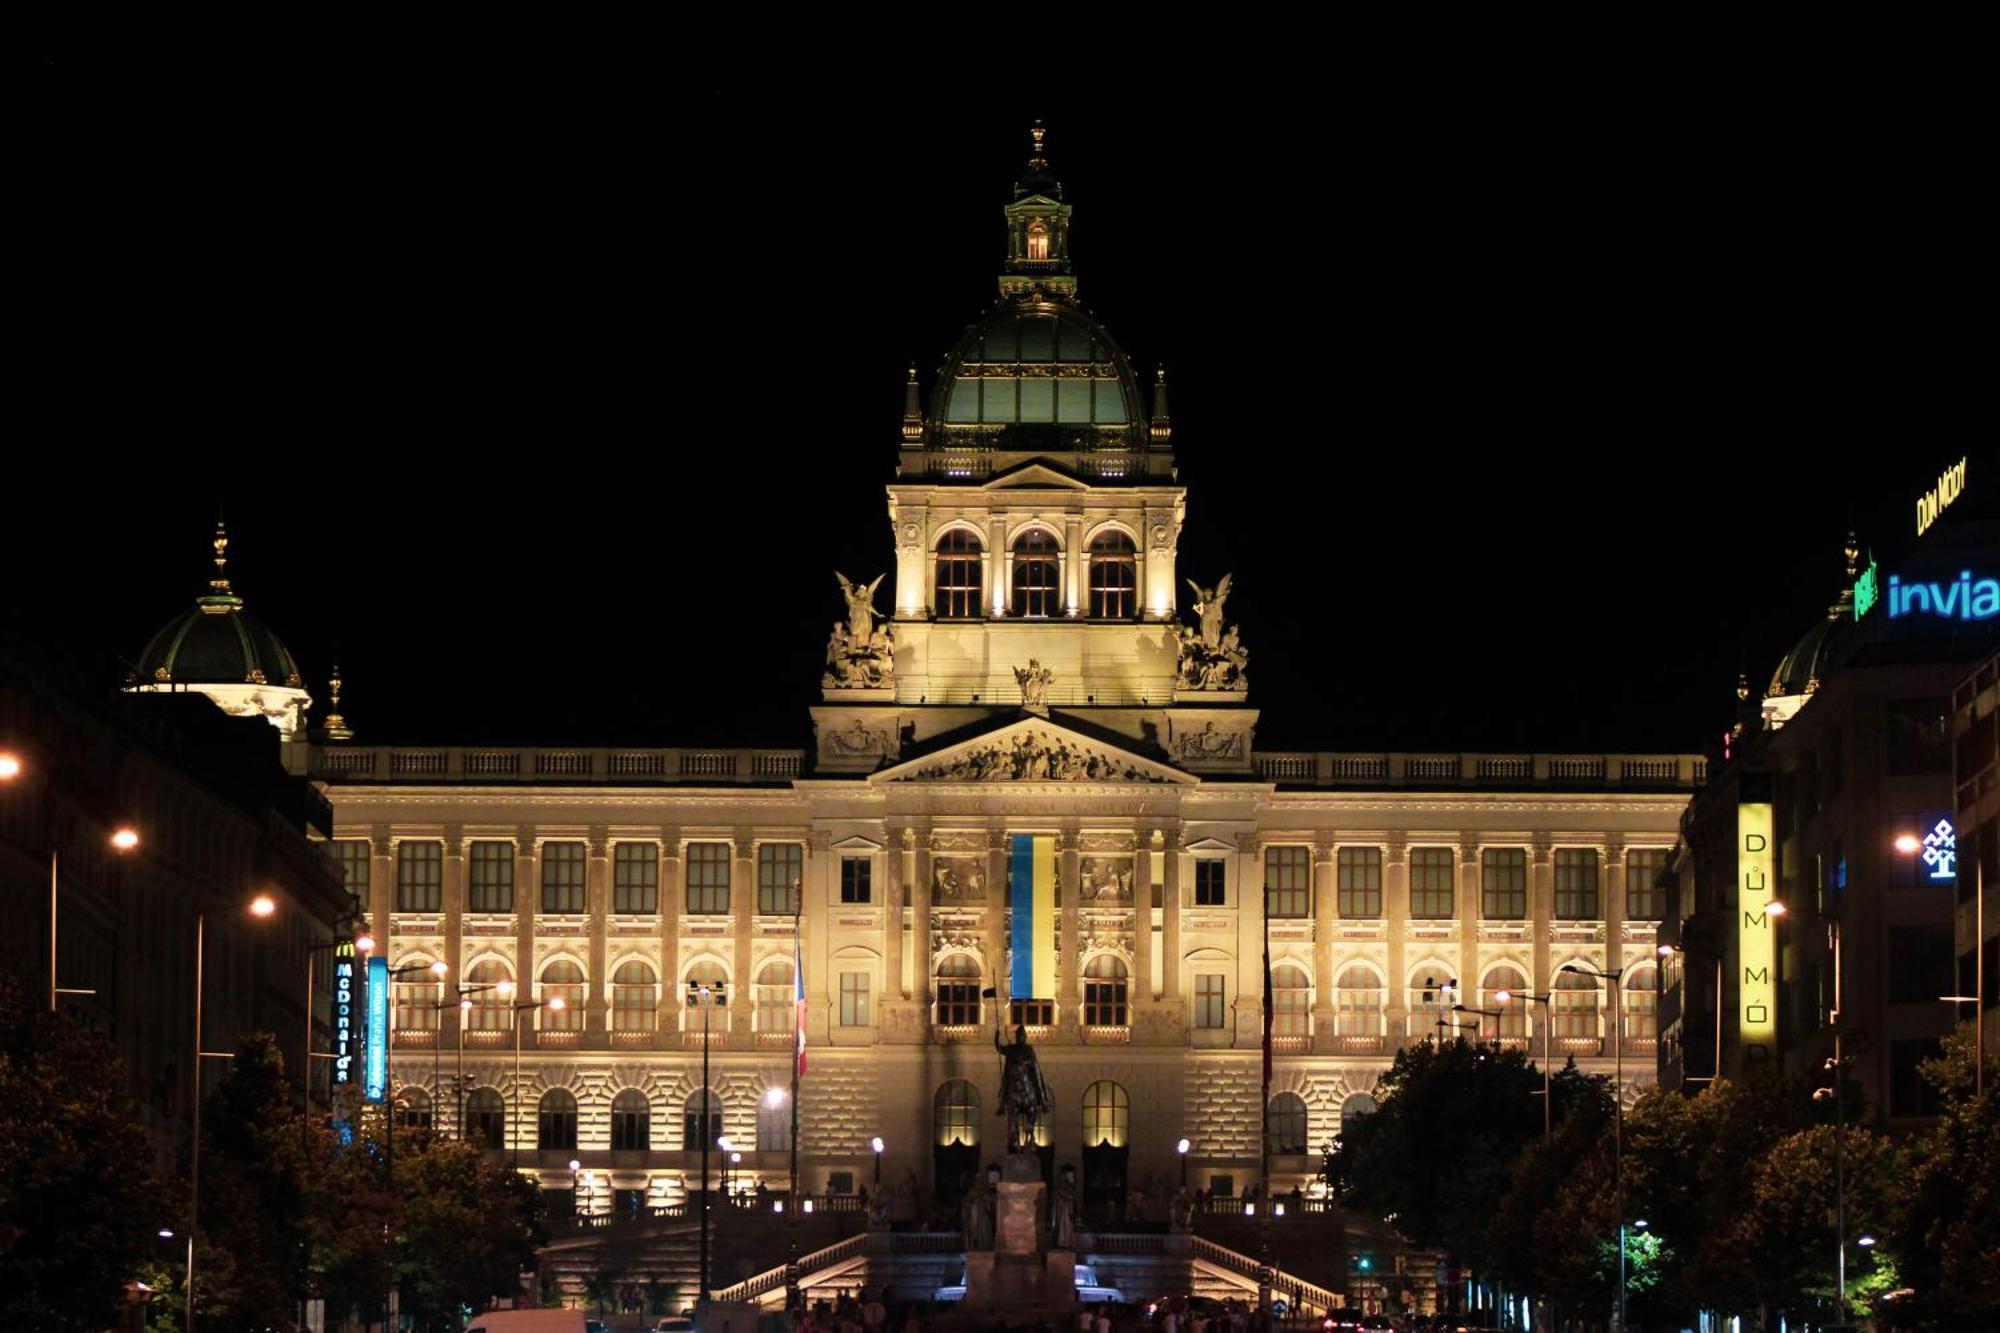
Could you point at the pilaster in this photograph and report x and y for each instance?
(892, 923)
(917, 866)
(673, 895)
(742, 914)
(597, 902)
(1069, 962)
(527, 900)
(1611, 900)
(1325, 899)
(1541, 894)
(1468, 922)
(454, 931)
(1170, 922)
(1396, 921)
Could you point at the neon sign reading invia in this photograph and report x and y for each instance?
(1964, 598)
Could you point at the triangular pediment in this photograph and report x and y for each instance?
(1030, 749)
(1034, 475)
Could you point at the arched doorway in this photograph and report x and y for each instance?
(954, 1139)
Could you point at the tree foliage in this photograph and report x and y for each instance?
(1946, 1233)
(79, 1207)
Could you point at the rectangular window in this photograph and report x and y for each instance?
(779, 868)
(489, 885)
(1288, 881)
(419, 876)
(1576, 884)
(708, 879)
(350, 856)
(854, 880)
(1208, 882)
(1431, 896)
(1210, 1011)
(1503, 884)
(1645, 889)
(562, 877)
(854, 1000)
(635, 878)
(1920, 965)
(1032, 1013)
(1917, 735)
(1360, 882)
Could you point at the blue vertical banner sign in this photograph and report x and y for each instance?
(375, 1081)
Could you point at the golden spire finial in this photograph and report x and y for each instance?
(336, 726)
(1853, 553)
(1036, 161)
(1742, 685)
(220, 598)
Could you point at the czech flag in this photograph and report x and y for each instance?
(1032, 895)
(799, 992)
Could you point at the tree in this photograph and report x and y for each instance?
(1946, 1233)
(467, 1227)
(79, 1206)
(1453, 1117)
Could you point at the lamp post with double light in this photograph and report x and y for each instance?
(464, 1006)
(262, 907)
(1548, 1025)
(1495, 1014)
(1610, 976)
(1910, 845)
(554, 1004)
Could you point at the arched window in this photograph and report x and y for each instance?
(1291, 1001)
(1114, 577)
(486, 1118)
(774, 1123)
(1355, 1108)
(631, 1122)
(413, 1108)
(492, 1010)
(958, 574)
(417, 995)
(711, 978)
(1574, 1007)
(958, 991)
(1288, 1124)
(1641, 988)
(1038, 239)
(562, 980)
(701, 1120)
(1107, 1115)
(1037, 574)
(955, 1115)
(556, 1123)
(635, 999)
(1104, 992)
(1357, 1003)
(1513, 1010)
(777, 1005)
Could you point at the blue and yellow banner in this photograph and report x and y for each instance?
(1032, 895)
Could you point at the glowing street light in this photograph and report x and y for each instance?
(263, 905)
(1182, 1148)
(125, 838)
(10, 766)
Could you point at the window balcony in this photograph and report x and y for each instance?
(1105, 1034)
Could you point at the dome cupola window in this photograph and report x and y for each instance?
(1038, 240)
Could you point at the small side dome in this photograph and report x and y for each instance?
(219, 649)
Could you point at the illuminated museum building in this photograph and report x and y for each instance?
(1848, 753)
(1033, 669)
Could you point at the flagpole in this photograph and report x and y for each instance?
(1264, 1269)
(798, 1066)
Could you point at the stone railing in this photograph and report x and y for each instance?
(771, 1279)
(1322, 768)
(480, 765)
(1304, 1295)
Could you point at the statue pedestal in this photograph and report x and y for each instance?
(1020, 1272)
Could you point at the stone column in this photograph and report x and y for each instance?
(743, 912)
(891, 863)
(597, 901)
(917, 869)
(1069, 961)
(673, 895)
(1468, 928)
(1142, 919)
(1325, 904)
(815, 919)
(527, 899)
(381, 884)
(1541, 903)
(454, 947)
(1073, 584)
(1170, 920)
(993, 920)
(1395, 921)
(997, 590)
(1611, 900)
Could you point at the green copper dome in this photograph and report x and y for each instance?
(1042, 372)
(216, 642)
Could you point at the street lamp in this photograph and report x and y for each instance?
(1548, 1024)
(705, 995)
(1617, 1111)
(1495, 1014)
(555, 1005)
(1671, 951)
(464, 1010)
(1181, 1148)
(261, 907)
(1909, 844)
(876, 1144)
(1838, 1065)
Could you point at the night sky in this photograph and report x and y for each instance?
(552, 398)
